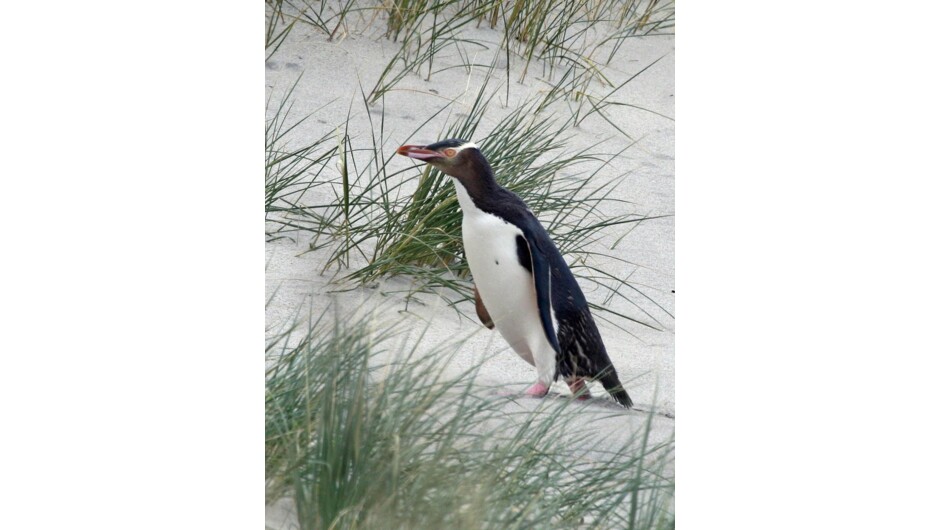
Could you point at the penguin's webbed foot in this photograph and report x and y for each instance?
(539, 389)
(579, 389)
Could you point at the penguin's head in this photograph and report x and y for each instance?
(458, 158)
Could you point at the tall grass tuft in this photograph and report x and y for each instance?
(363, 432)
(563, 35)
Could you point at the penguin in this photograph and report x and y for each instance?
(522, 285)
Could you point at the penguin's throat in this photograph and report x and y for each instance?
(475, 191)
(464, 198)
(477, 179)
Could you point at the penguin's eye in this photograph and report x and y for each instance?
(450, 152)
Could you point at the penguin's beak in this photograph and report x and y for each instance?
(418, 151)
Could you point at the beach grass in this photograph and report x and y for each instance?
(362, 432)
(292, 168)
(578, 34)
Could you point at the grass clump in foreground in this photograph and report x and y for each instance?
(362, 431)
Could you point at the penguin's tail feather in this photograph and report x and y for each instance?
(612, 384)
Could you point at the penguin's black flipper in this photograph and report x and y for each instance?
(542, 276)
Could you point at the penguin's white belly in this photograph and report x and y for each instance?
(506, 287)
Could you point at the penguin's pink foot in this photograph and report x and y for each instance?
(577, 386)
(539, 389)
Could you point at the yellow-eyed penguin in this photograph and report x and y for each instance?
(522, 284)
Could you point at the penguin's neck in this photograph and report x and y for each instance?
(476, 187)
(463, 197)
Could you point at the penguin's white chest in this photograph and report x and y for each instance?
(506, 287)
